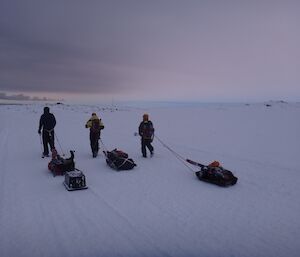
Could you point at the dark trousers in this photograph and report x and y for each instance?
(146, 143)
(48, 139)
(94, 140)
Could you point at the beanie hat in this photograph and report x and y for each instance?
(145, 116)
(46, 109)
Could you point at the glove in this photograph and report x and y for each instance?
(39, 132)
(86, 126)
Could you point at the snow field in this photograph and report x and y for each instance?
(159, 208)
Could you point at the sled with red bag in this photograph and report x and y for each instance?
(59, 166)
(214, 173)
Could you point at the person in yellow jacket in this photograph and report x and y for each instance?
(95, 125)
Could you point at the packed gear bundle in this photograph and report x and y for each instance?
(59, 165)
(118, 160)
(214, 173)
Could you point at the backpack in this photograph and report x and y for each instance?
(147, 130)
(96, 127)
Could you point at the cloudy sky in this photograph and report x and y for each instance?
(207, 50)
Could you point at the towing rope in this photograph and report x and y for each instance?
(177, 155)
(62, 151)
(104, 147)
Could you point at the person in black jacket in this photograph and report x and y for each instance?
(47, 123)
(146, 131)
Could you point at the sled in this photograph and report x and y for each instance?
(75, 180)
(119, 160)
(215, 174)
(59, 166)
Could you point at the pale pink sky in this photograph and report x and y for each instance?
(153, 50)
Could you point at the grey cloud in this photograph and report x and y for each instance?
(45, 66)
(67, 54)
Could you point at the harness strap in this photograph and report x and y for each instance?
(124, 161)
(49, 131)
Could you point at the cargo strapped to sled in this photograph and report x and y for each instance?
(59, 166)
(118, 160)
(214, 173)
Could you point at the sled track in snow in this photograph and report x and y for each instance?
(147, 239)
(3, 161)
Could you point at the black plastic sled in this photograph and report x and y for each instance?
(215, 174)
(118, 160)
(59, 165)
(75, 180)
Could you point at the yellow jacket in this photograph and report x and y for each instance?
(90, 121)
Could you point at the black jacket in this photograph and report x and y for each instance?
(47, 121)
(146, 130)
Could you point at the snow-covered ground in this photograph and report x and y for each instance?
(159, 208)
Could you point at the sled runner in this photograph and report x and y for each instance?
(59, 165)
(214, 173)
(118, 160)
(75, 180)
